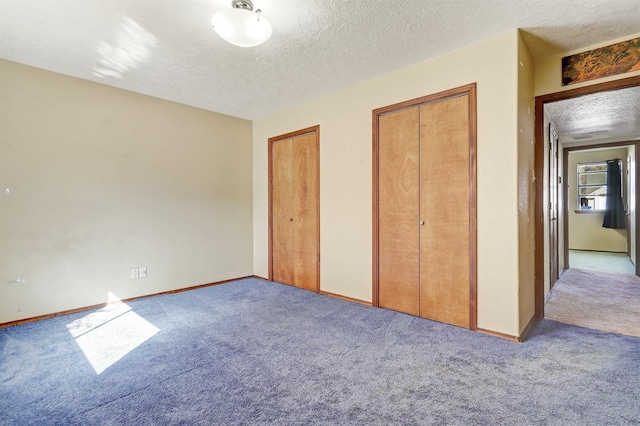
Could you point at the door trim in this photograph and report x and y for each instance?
(271, 141)
(540, 101)
(470, 91)
(565, 189)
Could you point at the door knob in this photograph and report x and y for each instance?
(422, 222)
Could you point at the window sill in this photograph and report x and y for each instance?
(589, 211)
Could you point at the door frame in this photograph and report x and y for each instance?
(467, 90)
(565, 189)
(540, 203)
(313, 129)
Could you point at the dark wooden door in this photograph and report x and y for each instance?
(554, 179)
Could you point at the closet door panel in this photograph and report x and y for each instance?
(444, 208)
(445, 283)
(398, 233)
(282, 211)
(305, 206)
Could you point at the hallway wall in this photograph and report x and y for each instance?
(585, 229)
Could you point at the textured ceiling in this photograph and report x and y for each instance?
(167, 49)
(601, 117)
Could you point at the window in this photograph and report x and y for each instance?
(592, 185)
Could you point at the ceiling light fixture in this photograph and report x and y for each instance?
(241, 26)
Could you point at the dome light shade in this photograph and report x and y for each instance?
(241, 26)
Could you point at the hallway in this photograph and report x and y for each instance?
(601, 261)
(604, 301)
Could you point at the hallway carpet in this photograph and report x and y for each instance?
(599, 300)
(252, 352)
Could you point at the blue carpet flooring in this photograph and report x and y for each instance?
(255, 352)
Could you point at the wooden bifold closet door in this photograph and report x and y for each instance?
(425, 207)
(294, 209)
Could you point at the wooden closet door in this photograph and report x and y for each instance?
(398, 248)
(294, 219)
(444, 209)
(282, 211)
(305, 212)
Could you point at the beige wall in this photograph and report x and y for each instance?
(526, 185)
(548, 74)
(346, 177)
(103, 180)
(585, 229)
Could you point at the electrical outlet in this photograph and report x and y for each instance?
(134, 273)
(142, 272)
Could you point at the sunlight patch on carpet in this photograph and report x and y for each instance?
(110, 333)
